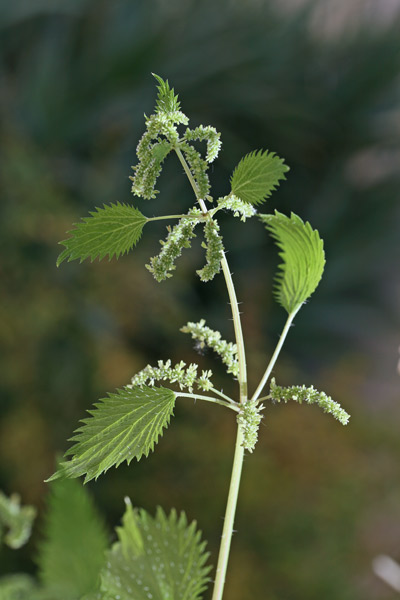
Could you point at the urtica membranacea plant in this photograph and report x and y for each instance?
(163, 557)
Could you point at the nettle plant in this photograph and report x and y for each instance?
(163, 557)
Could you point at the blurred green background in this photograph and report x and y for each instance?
(318, 84)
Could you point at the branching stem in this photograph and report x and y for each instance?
(242, 378)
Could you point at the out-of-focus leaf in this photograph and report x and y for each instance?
(17, 519)
(75, 540)
(160, 558)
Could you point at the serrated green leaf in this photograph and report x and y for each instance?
(124, 426)
(75, 540)
(303, 259)
(257, 175)
(17, 519)
(167, 101)
(113, 230)
(161, 558)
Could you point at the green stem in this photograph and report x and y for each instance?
(237, 325)
(168, 217)
(219, 393)
(189, 175)
(275, 355)
(229, 518)
(239, 450)
(207, 399)
(230, 287)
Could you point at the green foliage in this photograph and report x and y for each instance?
(124, 426)
(356, 78)
(160, 558)
(166, 102)
(113, 230)
(207, 337)
(72, 553)
(17, 519)
(257, 175)
(309, 395)
(303, 259)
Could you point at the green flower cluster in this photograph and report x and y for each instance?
(162, 136)
(198, 167)
(211, 135)
(179, 237)
(300, 394)
(249, 420)
(205, 336)
(214, 249)
(159, 138)
(241, 209)
(185, 377)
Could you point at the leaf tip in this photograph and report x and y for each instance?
(56, 475)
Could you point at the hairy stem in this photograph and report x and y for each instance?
(207, 399)
(163, 217)
(220, 393)
(189, 175)
(237, 324)
(275, 355)
(230, 287)
(230, 510)
(229, 518)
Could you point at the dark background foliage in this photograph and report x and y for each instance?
(319, 85)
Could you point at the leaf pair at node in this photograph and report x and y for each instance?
(128, 423)
(114, 229)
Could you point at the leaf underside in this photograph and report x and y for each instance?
(75, 539)
(124, 426)
(257, 175)
(160, 558)
(303, 259)
(113, 230)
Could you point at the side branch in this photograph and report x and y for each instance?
(230, 404)
(275, 355)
